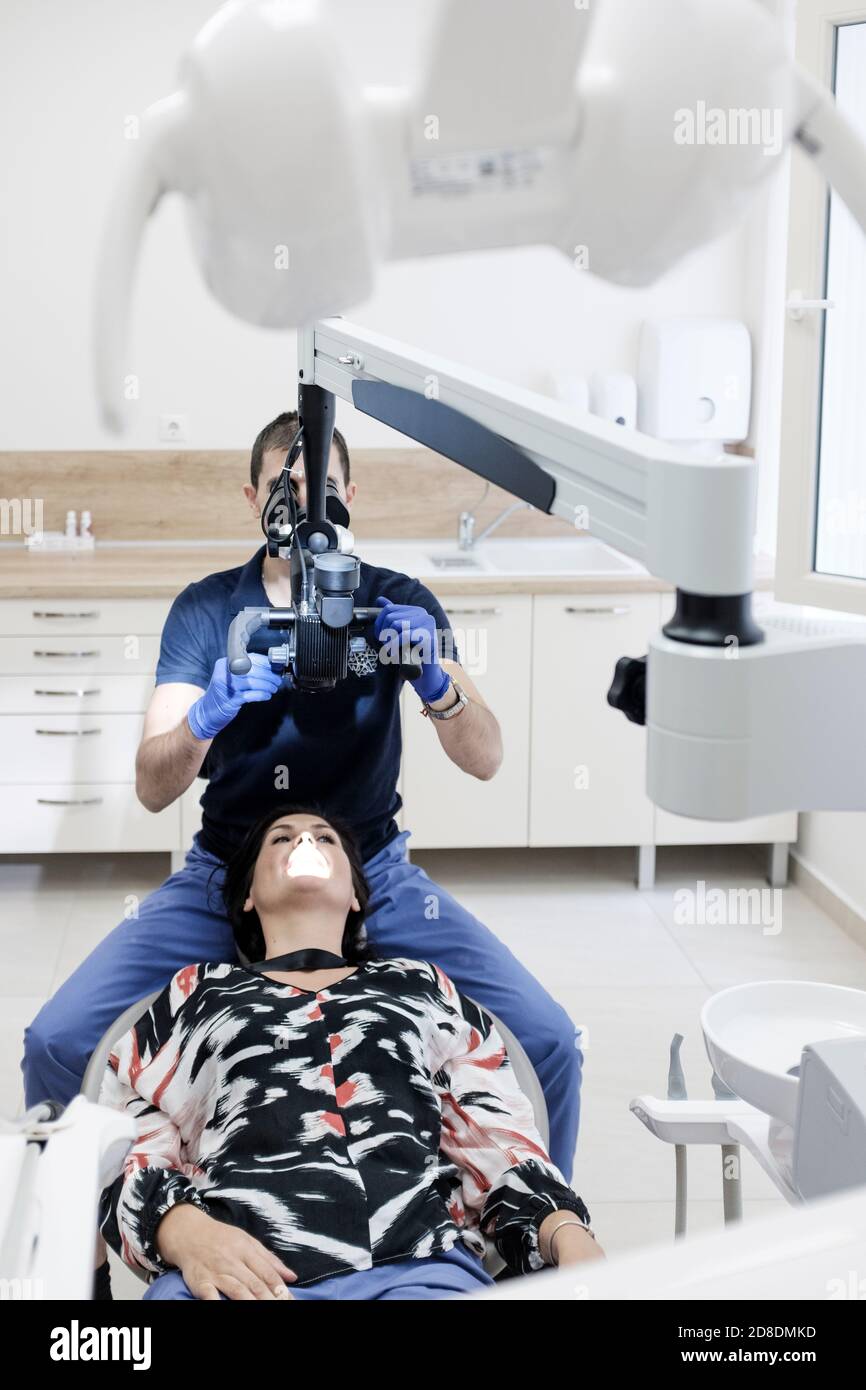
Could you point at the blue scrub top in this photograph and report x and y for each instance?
(339, 749)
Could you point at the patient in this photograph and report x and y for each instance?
(322, 1124)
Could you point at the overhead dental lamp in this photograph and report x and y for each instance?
(594, 129)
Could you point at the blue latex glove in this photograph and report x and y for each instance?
(416, 641)
(227, 694)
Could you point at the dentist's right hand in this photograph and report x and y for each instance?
(215, 1258)
(227, 694)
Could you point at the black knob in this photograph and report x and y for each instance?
(628, 688)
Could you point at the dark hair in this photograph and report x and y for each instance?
(279, 434)
(249, 937)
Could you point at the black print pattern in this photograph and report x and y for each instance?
(378, 1119)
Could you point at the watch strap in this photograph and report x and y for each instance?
(448, 713)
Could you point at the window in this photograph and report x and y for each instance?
(840, 523)
(822, 511)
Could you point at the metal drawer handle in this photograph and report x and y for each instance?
(618, 610)
(40, 613)
(72, 801)
(68, 733)
(78, 654)
(465, 612)
(97, 691)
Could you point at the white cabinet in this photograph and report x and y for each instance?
(82, 694)
(75, 680)
(68, 747)
(443, 806)
(574, 771)
(79, 817)
(77, 676)
(62, 617)
(85, 654)
(587, 768)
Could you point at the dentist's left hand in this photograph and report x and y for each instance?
(418, 642)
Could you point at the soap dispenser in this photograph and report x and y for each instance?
(695, 381)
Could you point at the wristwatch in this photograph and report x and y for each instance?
(450, 712)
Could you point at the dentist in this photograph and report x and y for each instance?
(254, 739)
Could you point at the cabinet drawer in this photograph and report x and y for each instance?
(60, 617)
(56, 694)
(444, 806)
(588, 765)
(68, 748)
(121, 655)
(60, 819)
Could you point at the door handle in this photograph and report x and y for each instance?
(67, 692)
(42, 613)
(67, 733)
(70, 801)
(797, 305)
(618, 610)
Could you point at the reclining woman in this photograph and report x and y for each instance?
(323, 1124)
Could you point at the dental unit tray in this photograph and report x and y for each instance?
(789, 1075)
(46, 1239)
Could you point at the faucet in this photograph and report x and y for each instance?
(466, 537)
(466, 531)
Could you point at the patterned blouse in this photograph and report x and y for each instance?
(377, 1119)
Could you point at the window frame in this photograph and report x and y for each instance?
(797, 581)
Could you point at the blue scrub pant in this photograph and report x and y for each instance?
(183, 922)
(438, 1276)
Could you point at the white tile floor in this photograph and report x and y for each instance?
(616, 959)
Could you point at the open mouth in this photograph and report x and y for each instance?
(307, 861)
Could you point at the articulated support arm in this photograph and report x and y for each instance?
(741, 721)
(689, 519)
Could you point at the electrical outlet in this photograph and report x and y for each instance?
(173, 429)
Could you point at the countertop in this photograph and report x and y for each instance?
(160, 572)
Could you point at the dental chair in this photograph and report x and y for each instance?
(523, 1071)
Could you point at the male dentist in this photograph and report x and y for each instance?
(257, 740)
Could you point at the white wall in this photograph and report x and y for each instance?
(74, 72)
(832, 845)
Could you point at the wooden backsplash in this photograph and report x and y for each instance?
(169, 495)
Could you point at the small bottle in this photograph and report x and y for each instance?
(86, 531)
(71, 524)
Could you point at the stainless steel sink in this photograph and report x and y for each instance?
(584, 555)
(571, 558)
(462, 560)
